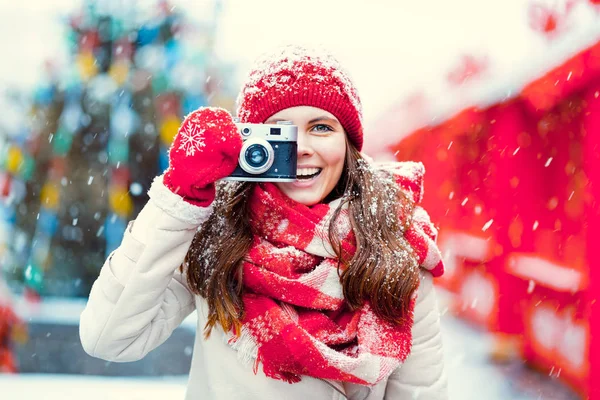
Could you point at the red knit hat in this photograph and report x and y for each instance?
(296, 76)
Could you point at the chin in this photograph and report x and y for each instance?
(305, 197)
(308, 199)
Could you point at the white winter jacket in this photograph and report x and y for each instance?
(140, 297)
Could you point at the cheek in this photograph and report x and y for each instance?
(334, 152)
(338, 163)
(335, 166)
(335, 158)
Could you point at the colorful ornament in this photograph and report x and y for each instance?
(147, 34)
(14, 159)
(172, 53)
(120, 201)
(88, 41)
(86, 63)
(34, 277)
(47, 220)
(168, 130)
(113, 232)
(119, 72)
(44, 95)
(118, 152)
(26, 168)
(160, 83)
(49, 196)
(61, 142)
(123, 49)
(120, 176)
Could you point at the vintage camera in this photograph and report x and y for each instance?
(269, 153)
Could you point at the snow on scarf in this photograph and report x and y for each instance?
(296, 321)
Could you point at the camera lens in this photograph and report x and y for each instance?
(257, 155)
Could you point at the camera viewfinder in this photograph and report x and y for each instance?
(275, 131)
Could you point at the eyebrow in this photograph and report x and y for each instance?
(323, 118)
(312, 121)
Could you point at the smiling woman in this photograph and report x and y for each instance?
(324, 282)
(321, 153)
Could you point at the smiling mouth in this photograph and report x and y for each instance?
(305, 174)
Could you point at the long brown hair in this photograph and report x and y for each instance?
(383, 271)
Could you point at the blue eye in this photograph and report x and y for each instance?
(322, 128)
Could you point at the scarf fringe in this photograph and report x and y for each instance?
(288, 377)
(248, 353)
(246, 347)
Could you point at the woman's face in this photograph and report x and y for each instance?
(321, 153)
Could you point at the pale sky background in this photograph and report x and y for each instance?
(392, 49)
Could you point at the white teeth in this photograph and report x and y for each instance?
(307, 171)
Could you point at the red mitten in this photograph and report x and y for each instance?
(206, 149)
(421, 235)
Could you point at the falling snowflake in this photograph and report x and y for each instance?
(531, 286)
(487, 225)
(191, 139)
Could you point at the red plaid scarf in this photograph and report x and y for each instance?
(296, 320)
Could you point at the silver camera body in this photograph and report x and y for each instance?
(269, 153)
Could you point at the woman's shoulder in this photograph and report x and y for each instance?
(408, 175)
(426, 298)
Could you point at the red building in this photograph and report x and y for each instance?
(514, 187)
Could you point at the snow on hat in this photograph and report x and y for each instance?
(298, 76)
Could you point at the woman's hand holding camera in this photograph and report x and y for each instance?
(205, 149)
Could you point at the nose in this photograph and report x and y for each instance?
(304, 146)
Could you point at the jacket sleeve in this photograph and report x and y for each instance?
(422, 375)
(141, 296)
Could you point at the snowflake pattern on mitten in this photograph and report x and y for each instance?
(192, 139)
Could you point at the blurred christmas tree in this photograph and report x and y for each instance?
(99, 133)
